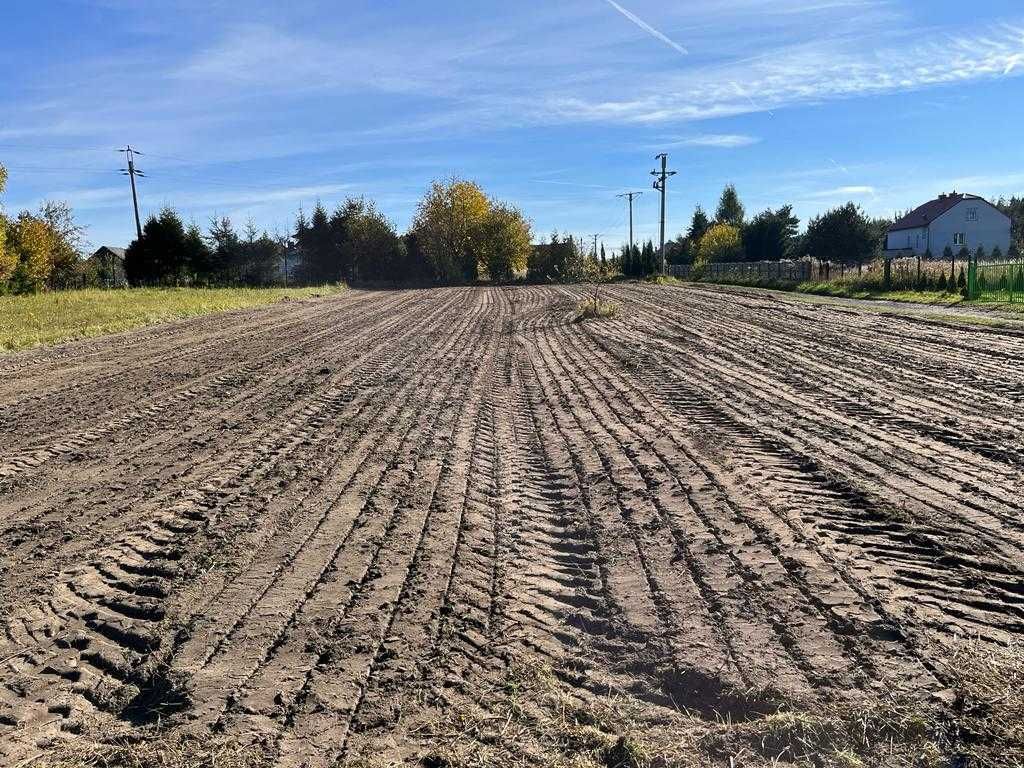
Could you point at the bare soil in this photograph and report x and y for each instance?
(464, 526)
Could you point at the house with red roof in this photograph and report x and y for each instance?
(957, 220)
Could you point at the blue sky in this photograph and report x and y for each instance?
(555, 106)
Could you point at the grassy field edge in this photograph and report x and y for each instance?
(45, 319)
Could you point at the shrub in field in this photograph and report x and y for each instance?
(979, 255)
(997, 253)
(721, 243)
(594, 307)
(942, 286)
(961, 282)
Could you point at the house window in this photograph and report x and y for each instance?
(959, 238)
(972, 214)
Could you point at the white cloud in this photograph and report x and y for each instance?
(841, 192)
(719, 140)
(833, 68)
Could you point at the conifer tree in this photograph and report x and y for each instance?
(730, 209)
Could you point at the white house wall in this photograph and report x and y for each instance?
(915, 239)
(990, 229)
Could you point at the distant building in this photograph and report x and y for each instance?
(108, 262)
(957, 220)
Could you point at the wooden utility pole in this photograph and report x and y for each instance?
(131, 172)
(661, 184)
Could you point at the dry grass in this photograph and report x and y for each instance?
(162, 751)
(51, 318)
(987, 720)
(538, 719)
(593, 307)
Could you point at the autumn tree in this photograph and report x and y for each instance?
(730, 209)
(31, 240)
(448, 225)
(67, 239)
(504, 242)
(721, 243)
(8, 259)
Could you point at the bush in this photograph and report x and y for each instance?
(721, 243)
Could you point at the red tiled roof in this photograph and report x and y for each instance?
(925, 214)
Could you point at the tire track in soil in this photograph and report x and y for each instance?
(712, 493)
(111, 662)
(26, 539)
(815, 459)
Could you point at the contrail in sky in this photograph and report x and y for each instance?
(647, 27)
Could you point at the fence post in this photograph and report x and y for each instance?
(972, 278)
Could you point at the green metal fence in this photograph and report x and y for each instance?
(996, 282)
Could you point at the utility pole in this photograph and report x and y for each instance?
(599, 234)
(131, 172)
(630, 196)
(661, 184)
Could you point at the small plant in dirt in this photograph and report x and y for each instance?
(594, 307)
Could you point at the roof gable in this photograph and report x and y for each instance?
(119, 252)
(925, 214)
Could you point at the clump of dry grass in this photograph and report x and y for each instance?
(834, 736)
(986, 725)
(163, 751)
(594, 307)
(537, 717)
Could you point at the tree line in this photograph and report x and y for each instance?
(844, 235)
(459, 235)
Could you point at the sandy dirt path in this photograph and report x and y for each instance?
(325, 526)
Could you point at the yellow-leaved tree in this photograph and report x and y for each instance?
(31, 239)
(8, 259)
(505, 242)
(448, 223)
(720, 243)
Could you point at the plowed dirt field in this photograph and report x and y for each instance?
(397, 526)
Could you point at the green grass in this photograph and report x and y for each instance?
(50, 318)
(851, 290)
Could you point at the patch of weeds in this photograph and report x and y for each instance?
(987, 722)
(163, 751)
(596, 308)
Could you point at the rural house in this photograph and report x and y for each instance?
(957, 220)
(108, 262)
